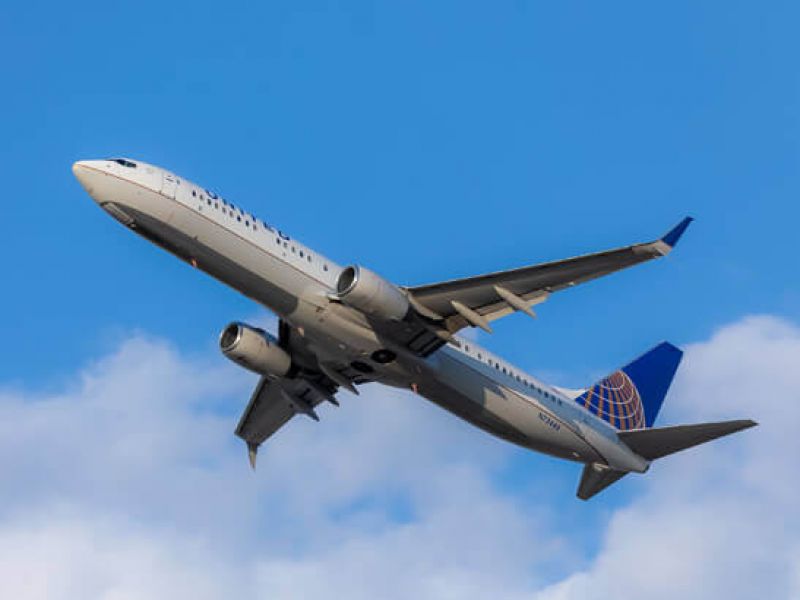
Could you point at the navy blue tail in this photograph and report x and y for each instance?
(631, 397)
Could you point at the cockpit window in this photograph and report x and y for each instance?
(125, 163)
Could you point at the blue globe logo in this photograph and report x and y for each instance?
(616, 400)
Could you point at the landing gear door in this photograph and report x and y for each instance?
(169, 184)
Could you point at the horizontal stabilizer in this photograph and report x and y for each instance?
(655, 443)
(596, 478)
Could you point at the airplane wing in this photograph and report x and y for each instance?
(274, 402)
(478, 300)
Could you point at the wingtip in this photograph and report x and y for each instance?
(252, 454)
(674, 234)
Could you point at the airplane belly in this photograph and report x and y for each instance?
(500, 411)
(219, 252)
(333, 331)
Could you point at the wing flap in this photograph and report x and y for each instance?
(266, 412)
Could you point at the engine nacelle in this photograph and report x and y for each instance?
(254, 349)
(368, 292)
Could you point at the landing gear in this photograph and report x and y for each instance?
(383, 356)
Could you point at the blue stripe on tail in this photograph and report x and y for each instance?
(631, 397)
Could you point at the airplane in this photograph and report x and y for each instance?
(342, 327)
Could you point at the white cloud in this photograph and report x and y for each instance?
(131, 485)
(718, 521)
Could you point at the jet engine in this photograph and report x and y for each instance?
(369, 293)
(254, 349)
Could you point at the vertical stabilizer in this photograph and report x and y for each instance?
(631, 397)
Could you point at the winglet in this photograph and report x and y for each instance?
(676, 232)
(252, 453)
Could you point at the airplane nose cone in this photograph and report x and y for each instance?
(87, 175)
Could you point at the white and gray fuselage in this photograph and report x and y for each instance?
(297, 284)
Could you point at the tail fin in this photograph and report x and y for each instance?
(631, 397)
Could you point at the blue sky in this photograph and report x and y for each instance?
(426, 141)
